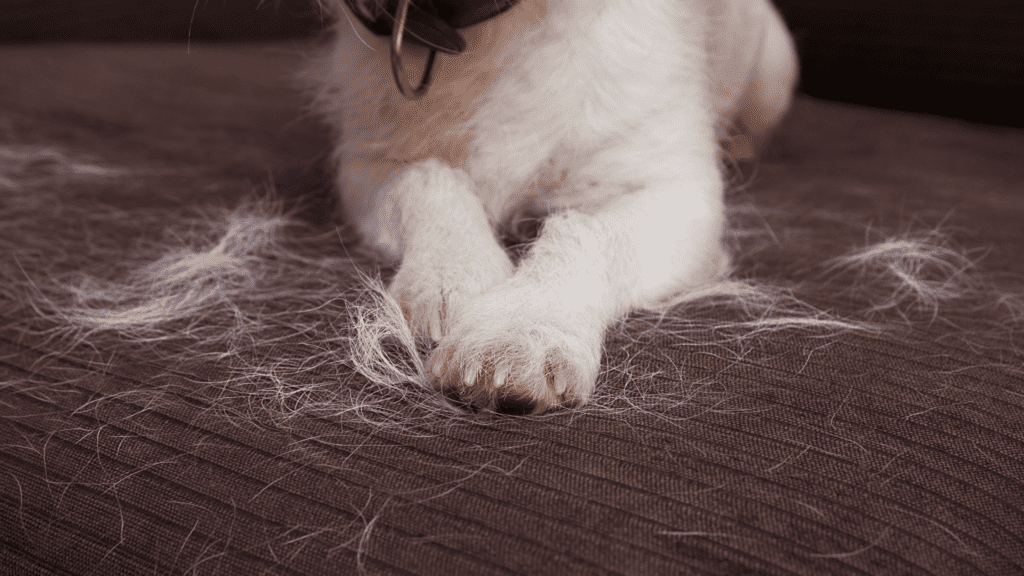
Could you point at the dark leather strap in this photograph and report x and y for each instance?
(431, 23)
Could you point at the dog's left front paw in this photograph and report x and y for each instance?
(431, 287)
(516, 356)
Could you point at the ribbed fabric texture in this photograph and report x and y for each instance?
(805, 455)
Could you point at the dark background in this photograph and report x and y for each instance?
(955, 58)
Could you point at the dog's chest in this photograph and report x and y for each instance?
(542, 88)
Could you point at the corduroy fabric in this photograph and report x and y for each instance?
(856, 454)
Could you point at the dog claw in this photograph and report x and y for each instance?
(470, 374)
(561, 382)
(438, 365)
(500, 375)
(436, 331)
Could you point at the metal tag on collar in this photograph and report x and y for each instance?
(397, 70)
(464, 13)
(426, 22)
(434, 26)
(423, 25)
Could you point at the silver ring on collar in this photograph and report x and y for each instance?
(397, 69)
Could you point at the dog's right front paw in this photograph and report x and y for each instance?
(511, 352)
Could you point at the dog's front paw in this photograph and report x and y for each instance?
(433, 285)
(518, 356)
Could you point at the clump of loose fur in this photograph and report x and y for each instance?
(302, 326)
(917, 271)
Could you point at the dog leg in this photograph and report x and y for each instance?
(754, 68)
(448, 249)
(535, 341)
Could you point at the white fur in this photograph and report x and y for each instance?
(604, 114)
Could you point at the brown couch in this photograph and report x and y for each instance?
(889, 442)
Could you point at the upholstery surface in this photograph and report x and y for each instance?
(794, 452)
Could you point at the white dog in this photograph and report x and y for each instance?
(606, 116)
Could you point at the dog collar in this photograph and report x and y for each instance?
(430, 23)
